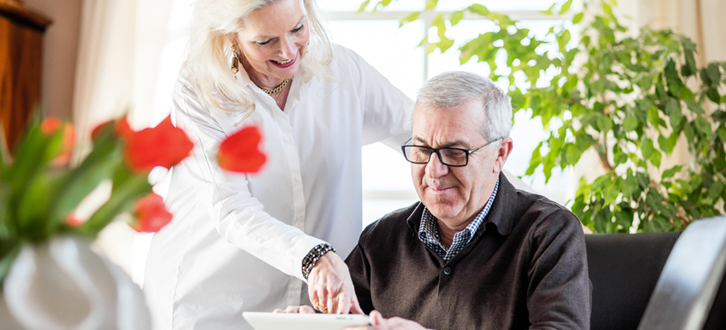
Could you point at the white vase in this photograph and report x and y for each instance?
(63, 285)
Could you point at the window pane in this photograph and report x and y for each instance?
(497, 5)
(353, 5)
(389, 49)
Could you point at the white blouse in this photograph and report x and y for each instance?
(237, 242)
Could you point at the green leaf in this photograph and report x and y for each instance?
(604, 123)
(643, 179)
(669, 173)
(565, 7)
(715, 190)
(695, 107)
(431, 4)
(688, 131)
(646, 147)
(619, 157)
(722, 133)
(124, 196)
(663, 144)
(535, 161)
(630, 123)
(548, 12)
(714, 73)
(673, 108)
(577, 18)
(713, 95)
(363, 6)
(410, 18)
(563, 40)
(624, 219)
(98, 166)
(481, 10)
(656, 157)
(611, 193)
(35, 205)
(8, 252)
(654, 117)
(456, 17)
(703, 125)
(607, 10)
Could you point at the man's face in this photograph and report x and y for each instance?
(455, 195)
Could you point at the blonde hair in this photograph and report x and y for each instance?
(208, 54)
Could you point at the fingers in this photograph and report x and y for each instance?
(355, 306)
(376, 317)
(343, 306)
(296, 309)
(330, 287)
(306, 310)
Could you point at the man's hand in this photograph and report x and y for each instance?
(380, 323)
(296, 310)
(330, 287)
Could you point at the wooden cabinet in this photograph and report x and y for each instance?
(21, 50)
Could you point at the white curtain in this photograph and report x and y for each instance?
(700, 20)
(129, 56)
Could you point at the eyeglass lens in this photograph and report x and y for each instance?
(448, 156)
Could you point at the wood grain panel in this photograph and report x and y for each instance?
(21, 49)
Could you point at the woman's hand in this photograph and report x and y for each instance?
(330, 287)
(296, 310)
(378, 322)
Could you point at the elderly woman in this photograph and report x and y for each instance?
(265, 241)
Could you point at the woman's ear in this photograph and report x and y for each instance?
(232, 37)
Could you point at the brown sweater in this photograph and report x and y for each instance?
(525, 267)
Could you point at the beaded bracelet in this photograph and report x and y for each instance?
(313, 256)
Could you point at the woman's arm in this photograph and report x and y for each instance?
(237, 215)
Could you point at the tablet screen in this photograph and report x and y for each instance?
(284, 321)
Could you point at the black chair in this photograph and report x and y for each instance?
(625, 270)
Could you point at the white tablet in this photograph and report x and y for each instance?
(284, 321)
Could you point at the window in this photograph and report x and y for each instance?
(392, 51)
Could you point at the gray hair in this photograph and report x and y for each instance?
(451, 89)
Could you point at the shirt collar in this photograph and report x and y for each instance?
(428, 228)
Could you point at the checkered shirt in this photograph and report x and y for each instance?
(428, 232)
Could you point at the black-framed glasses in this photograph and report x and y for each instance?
(454, 157)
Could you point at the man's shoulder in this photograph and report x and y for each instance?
(539, 212)
(545, 217)
(392, 224)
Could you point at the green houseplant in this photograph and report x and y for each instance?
(630, 99)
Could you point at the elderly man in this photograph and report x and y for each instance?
(475, 253)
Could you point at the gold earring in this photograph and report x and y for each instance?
(235, 61)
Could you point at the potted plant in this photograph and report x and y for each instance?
(628, 99)
(51, 278)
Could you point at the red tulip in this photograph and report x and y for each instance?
(150, 214)
(163, 145)
(73, 221)
(240, 151)
(51, 126)
(123, 128)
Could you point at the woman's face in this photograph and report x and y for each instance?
(274, 39)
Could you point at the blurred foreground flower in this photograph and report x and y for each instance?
(39, 191)
(163, 145)
(240, 151)
(150, 214)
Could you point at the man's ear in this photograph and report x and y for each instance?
(505, 148)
